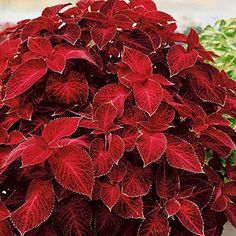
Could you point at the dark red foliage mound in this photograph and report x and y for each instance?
(106, 118)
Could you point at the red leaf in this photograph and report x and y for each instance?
(148, 4)
(155, 223)
(205, 86)
(102, 34)
(3, 135)
(231, 213)
(37, 208)
(61, 192)
(118, 172)
(73, 169)
(60, 128)
(88, 124)
(40, 45)
(157, 16)
(160, 120)
(138, 62)
(26, 111)
(9, 121)
(211, 223)
(172, 206)
(53, 10)
(37, 152)
(190, 216)
(4, 213)
(106, 221)
(217, 119)
(9, 47)
(230, 188)
(132, 115)
(95, 16)
(220, 203)
(151, 147)
(137, 181)
(197, 190)
(122, 21)
(8, 50)
(193, 38)
(161, 79)
(114, 93)
(16, 152)
(148, 95)
(26, 75)
(30, 55)
(180, 154)
(3, 63)
(108, 7)
(116, 147)
(4, 153)
(225, 81)
(56, 63)
(105, 116)
(67, 52)
(77, 211)
(101, 157)
(129, 207)
(74, 53)
(220, 136)
(71, 33)
(110, 194)
(215, 145)
(131, 78)
(129, 136)
(44, 229)
(69, 89)
(33, 27)
(15, 137)
(167, 181)
(5, 228)
(97, 189)
(81, 141)
(178, 59)
(138, 40)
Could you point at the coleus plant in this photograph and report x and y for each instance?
(106, 116)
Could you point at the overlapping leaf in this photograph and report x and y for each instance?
(73, 169)
(37, 208)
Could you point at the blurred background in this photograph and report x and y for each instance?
(186, 12)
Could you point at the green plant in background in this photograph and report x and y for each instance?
(221, 39)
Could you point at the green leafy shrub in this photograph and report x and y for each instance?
(221, 39)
